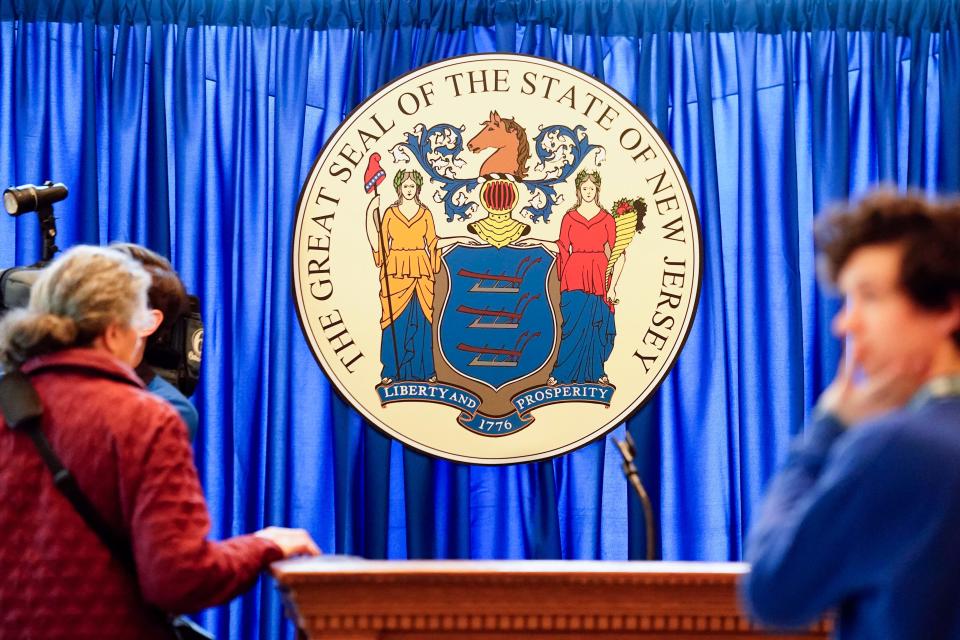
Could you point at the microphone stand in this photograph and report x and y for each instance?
(628, 450)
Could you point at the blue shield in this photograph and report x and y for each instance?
(497, 325)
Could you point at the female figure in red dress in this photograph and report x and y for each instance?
(587, 236)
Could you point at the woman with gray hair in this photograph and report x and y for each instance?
(128, 452)
(89, 297)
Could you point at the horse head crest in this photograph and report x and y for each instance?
(509, 139)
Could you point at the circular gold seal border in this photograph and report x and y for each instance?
(642, 398)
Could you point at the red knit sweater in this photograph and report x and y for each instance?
(131, 457)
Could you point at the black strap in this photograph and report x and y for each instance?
(22, 411)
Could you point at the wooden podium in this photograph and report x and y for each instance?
(340, 598)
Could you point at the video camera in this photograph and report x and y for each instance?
(174, 356)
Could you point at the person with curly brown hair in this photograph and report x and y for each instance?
(864, 517)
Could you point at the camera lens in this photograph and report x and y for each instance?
(10, 202)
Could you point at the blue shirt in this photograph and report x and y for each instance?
(160, 387)
(865, 521)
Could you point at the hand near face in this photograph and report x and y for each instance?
(890, 388)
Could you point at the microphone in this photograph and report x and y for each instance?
(29, 197)
(628, 450)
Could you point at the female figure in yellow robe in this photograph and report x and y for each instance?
(407, 277)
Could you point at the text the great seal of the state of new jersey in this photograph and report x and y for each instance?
(496, 258)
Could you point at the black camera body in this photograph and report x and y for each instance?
(15, 287)
(174, 356)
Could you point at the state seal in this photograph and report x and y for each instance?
(496, 258)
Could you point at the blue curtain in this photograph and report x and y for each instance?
(189, 126)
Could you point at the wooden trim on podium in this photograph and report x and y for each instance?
(339, 598)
